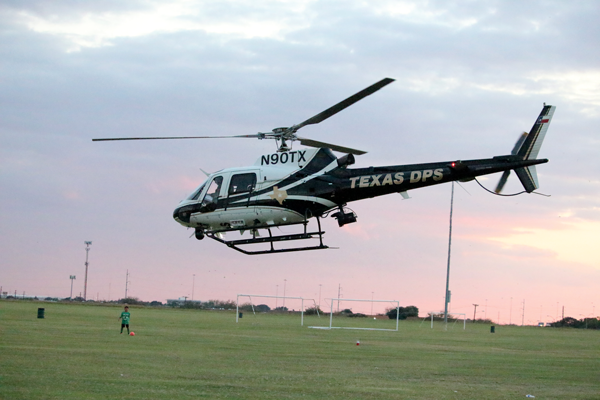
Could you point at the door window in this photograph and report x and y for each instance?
(242, 183)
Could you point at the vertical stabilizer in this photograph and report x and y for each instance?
(533, 142)
(531, 147)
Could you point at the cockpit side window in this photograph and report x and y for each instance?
(213, 191)
(242, 183)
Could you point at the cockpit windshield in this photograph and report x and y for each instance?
(196, 193)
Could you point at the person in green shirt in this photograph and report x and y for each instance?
(125, 315)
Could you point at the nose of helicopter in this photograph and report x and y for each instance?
(182, 214)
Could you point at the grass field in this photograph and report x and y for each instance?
(76, 352)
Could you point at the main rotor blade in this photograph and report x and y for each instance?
(341, 149)
(179, 137)
(343, 104)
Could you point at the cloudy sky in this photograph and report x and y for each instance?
(470, 77)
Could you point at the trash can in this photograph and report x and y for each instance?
(241, 315)
(41, 312)
(492, 329)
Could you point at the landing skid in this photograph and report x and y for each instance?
(234, 244)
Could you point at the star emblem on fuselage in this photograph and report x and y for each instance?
(279, 195)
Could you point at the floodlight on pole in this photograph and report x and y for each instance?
(71, 277)
(87, 251)
(284, 282)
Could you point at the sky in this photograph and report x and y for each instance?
(470, 77)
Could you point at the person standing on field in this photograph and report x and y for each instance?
(125, 315)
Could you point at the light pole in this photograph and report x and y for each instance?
(447, 299)
(284, 282)
(372, 294)
(72, 277)
(193, 282)
(87, 251)
(320, 295)
(276, 295)
(475, 312)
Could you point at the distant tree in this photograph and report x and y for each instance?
(313, 311)
(584, 323)
(131, 301)
(262, 308)
(357, 315)
(155, 303)
(346, 311)
(246, 307)
(403, 312)
(281, 309)
(219, 304)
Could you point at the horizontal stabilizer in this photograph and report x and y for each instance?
(528, 177)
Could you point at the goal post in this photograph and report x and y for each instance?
(250, 296)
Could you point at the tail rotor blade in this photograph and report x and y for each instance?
(502, 181)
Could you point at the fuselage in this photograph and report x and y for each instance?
(292, 187)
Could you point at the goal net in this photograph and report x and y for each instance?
(257, 303)
(361, 314)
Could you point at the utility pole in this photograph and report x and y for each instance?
(276, 295)
(126, 282)
(510, 315)
(475, 312)
(72, 277)
(193, 282)
(339, 291)
(448, 268)
(87, 251)
(523, 316)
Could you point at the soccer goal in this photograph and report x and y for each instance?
(452, 318)
(301, 300)
(344, 310)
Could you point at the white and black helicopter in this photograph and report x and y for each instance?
(291, 187)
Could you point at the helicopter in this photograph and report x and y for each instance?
(291, 187)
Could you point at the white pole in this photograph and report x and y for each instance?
(302, 313)
(237, 308)
(448, 269)
(397, 315)
(331, 315)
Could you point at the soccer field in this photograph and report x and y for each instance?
(76, 352)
